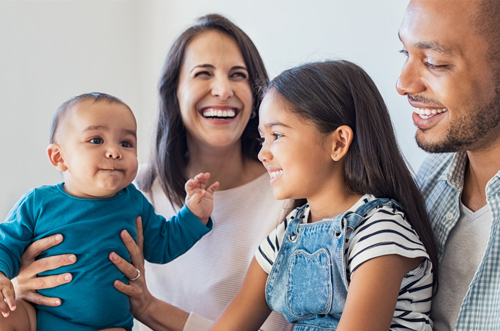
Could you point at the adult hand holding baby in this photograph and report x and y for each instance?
(27, 281)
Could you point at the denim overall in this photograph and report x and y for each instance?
(308, 281)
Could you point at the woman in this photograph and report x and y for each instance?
(207, 122)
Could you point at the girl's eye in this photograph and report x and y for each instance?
(277, 135)
(125, 144)
(404, 52)
(96, 140)
(261, 140)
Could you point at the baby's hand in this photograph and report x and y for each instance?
(6, 293)
(199, 200)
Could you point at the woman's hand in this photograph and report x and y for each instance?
(140, 298)
(27, 283)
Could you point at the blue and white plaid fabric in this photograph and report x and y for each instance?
(441, 180)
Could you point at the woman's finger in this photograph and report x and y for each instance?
(40, 283)
(39, 299)
(126, 268)
(134, 250)
(41, 245)
(140, 236)
(45, 264)
(129, 290)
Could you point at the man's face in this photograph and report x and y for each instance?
(447, 77)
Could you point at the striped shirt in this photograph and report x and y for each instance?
(441, 180)
(383, 231)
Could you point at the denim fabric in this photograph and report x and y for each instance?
(308, 282)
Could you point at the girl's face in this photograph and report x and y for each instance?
(215, 97)
(296, 155)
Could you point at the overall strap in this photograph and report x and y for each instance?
(352, 219)
(295, 221)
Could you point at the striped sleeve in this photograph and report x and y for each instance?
(270, 246)
(383, 232)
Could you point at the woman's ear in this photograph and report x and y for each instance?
(56, 158)
(342, 139)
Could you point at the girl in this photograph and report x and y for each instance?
(359, 253)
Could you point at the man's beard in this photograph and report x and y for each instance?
(469, 129)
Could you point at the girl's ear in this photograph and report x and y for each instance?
(342, 139)
(56, 158)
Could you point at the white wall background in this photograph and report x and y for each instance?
(53, 50)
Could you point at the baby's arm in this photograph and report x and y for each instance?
(248, 310)
(199, 200)
(6, 293)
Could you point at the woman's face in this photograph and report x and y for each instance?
(214, 94)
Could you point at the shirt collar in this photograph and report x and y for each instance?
(455, 171)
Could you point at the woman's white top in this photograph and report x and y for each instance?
(206, 278)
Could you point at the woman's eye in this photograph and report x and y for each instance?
(261, 140)
(125, 144)
(96, 140)
(239, 74)
(404, 52)
(202, 74)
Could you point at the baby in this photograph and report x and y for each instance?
(94, 145)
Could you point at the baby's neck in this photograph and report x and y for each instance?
(84, 194)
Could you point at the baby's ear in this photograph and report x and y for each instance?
(56, 158)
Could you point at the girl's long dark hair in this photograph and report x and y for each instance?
(335, 93)
(170, 155)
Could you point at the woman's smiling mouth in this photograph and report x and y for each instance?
(219, 113)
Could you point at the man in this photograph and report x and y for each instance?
(451, 78)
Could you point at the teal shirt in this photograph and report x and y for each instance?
(91, 230)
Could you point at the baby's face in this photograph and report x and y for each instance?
(99, 147)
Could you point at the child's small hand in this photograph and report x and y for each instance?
(199, 200)
(7, 296)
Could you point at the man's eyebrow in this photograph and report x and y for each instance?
(433, 46)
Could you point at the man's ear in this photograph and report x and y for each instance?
(56, 158)
(342, 139)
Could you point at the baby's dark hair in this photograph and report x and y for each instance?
(335, 93)
(63, 109)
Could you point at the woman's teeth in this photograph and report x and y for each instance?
(214, 113)
(275, 174)
(427, 113)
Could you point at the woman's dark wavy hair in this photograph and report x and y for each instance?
(335, 93)
(170, 155)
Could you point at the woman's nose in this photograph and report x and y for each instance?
(221, 88)
(410, 80)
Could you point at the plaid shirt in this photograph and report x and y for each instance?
(441, 179)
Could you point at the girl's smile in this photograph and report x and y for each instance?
(296, 156)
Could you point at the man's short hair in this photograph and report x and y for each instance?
(66, 106)
(487, 23)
